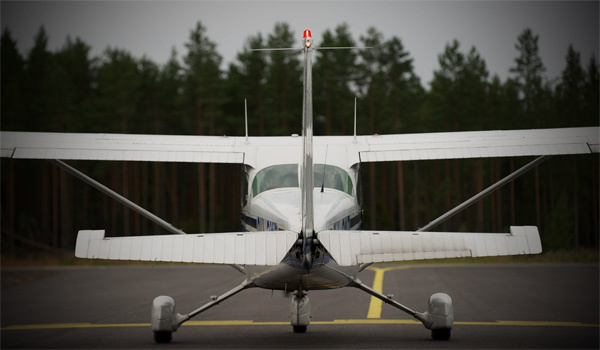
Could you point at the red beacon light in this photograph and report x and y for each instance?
(307, 38)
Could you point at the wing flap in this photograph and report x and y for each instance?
(242, 248)
(387, 246)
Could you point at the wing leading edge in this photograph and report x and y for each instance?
(358, 247)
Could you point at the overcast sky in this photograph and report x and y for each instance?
(153, 28)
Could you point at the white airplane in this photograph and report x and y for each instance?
(301, 212)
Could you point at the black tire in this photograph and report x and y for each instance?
(300, 329)
(163, 337)
(441, 334)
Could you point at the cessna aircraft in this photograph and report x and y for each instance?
(301, 224)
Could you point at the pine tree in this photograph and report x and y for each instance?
(458, 100)
(203, 85)
(334, 72)
(284, 82)
(12, 78)
(248, 78)
(570, 92)
(528, 76)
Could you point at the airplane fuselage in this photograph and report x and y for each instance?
(272, 202)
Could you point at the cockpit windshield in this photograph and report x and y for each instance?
(276, 176)
(333, 177)
(286, 175)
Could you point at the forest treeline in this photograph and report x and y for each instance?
(67, 90)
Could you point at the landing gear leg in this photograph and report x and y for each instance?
(439, 318)
(300, 312)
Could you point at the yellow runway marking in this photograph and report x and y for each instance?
(70, 325)
(376, 303)
(255, 323)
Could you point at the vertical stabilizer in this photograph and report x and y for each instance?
(307, 159)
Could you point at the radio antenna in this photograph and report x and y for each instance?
(246, 119)
(355, 141)
(324, 168)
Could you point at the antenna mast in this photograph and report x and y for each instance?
(355, 141)
(246, 119)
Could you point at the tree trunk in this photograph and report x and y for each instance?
(478, 174)
(498, 198)
(137, 195)
(47, 208)
(201, 198)
(174, 193)
(113, 204)
(416, 195)
(372, 196)
(9, 222)
(372, 187)
(145, 195)
(448, 196)
(537, 197)
(458, 193)
(55, 205)
(261, 113)
(212, 197)
(66, 212)
(575, 204)
(401, 204)
(513, 219)
(125, 184)
(157, 198)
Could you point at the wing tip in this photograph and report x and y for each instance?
(83, 242)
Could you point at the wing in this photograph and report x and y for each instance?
(477, 144)
(260, 150)
(357, 247)
(241, 248)
(130, 147)
(255, 151)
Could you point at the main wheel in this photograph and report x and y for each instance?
(163, 337)
(300, 329)
(441, 334)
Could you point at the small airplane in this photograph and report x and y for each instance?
(301, 216)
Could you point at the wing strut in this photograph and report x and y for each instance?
(160, 222)
(484, 193)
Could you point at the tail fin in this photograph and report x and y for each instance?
(307, 184)
(307, 159)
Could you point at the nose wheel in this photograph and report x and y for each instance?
(300, 312)
(300, 329)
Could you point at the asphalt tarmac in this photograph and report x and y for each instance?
(495, 306)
